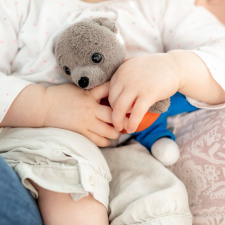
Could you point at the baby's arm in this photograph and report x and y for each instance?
(170, 72)
(63, 106)
(24, 104)
(195, 73)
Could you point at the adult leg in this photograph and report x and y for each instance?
(17, 206)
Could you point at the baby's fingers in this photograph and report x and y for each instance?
(98, 140)
(140, 107)
(104, 113)
(121, 108)
(105, 130)
(100, 92)
(114, 93)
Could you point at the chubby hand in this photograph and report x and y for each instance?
(141, 81)
(78, 110)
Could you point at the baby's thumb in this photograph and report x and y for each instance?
(100, 91)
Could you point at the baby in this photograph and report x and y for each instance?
(47, 123)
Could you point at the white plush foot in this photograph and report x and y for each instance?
(166, 151)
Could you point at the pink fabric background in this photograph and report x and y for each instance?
(201, 137)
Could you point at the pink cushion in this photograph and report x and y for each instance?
(201, 138)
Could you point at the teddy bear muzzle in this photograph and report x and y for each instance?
(88, 76)
(83, 82)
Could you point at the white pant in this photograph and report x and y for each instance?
(141, 191)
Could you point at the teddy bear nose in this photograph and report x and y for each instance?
(83, 82)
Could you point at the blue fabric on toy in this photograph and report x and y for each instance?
(158, 129)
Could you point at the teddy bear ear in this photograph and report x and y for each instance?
(107, 23)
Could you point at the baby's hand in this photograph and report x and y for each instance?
(143, 80)
(78, 110)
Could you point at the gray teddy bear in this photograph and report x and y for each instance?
(89, 52)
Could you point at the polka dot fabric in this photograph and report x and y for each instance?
(29, 28)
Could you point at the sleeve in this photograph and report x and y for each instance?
(12, 15)
(203, 105)
(186, 26)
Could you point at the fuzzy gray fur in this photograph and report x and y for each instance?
(160, 106)
(76, 45)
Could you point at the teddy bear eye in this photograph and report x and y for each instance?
(67, 70)
(96, 58)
